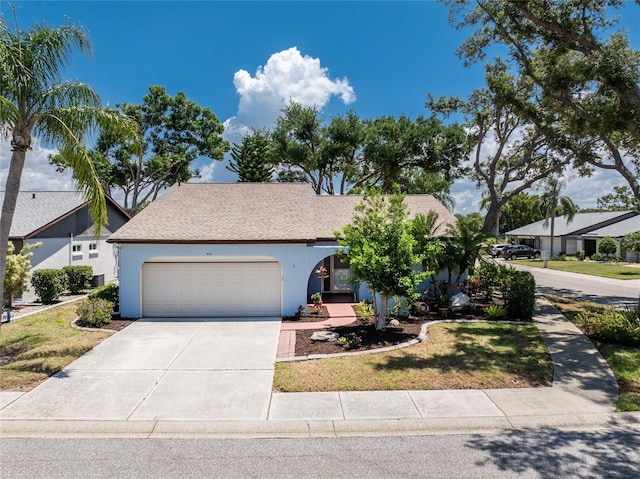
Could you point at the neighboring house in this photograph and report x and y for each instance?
(60, 220)
(241, 249)
(582, 234)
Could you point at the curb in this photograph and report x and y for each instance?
(310, 429)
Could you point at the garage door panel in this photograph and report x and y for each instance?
(211, 289)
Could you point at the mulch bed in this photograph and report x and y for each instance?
(361, 336)
(116, 324)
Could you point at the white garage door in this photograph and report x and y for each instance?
(211, 289)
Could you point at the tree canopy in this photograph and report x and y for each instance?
(586, 76)
(174, 132)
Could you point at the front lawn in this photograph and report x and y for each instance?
(623, 360)
(593, 268)
(454, 356)
(36, 347)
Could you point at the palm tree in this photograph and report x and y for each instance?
(550, 200)
(35, 101)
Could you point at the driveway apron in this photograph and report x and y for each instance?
(165, 369)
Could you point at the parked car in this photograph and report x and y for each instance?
(520, 251)
(496, 249)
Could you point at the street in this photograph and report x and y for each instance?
(597, 453)
(614, 292)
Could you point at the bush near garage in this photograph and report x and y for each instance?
(49, 284)
(109, 292)
(78, 277)
(95, 312)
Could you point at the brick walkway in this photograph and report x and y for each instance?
(340, 314)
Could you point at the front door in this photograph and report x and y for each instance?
(340, 275)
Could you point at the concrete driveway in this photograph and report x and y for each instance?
(165, 369)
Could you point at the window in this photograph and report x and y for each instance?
(76, 248)
(93, 246)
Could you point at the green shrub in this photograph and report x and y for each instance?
(400, 307)
(607, 246)
(612, 325)
(491, 276)
(78, 277)
(110, 292)
(95, 312)
(519, 294)
(596, 257)
(365, 310)
(49, 284)
(496, 312)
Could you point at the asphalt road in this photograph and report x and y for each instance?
(600, 453)
(614, 292)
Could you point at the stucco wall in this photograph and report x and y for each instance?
(296, 261)
(54, 253)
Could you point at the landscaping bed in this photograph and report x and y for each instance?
(361, 335)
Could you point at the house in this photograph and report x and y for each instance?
(241, 249)
(61, 222)
(582, 234)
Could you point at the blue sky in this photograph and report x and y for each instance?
(243, 60)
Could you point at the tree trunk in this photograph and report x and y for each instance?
(20, 144)
(381, 322)
(492, 220)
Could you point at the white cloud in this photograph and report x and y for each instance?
(287, 76)
(38, 174)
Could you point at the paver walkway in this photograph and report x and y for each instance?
(340, 314)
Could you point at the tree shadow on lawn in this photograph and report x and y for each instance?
(552, 453)
(487, 349)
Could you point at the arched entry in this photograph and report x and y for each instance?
(337, 279)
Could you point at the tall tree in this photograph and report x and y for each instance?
(394, 148)
(35, 101)
(349, 154)
(382, 250)
(620, 199)
(550, 201)
(175, 131)
(251, 158)
(585, 73)
(511, 153)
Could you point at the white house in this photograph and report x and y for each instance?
(584, 233)
(61, 222)
(241, 249)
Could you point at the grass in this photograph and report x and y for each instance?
(623, 360)
(39, 346)
(593, 268)
(454, 356)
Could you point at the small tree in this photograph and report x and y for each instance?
(607, 247)
(632, 243)
(381, 249)
(17, 271)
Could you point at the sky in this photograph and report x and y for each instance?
(245, 60)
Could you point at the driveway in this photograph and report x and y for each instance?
(164, 369)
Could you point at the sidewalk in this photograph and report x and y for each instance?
(584, 394)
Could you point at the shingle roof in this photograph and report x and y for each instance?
(580, 223)
(619, 229)
(35, 209)
(250, 212)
